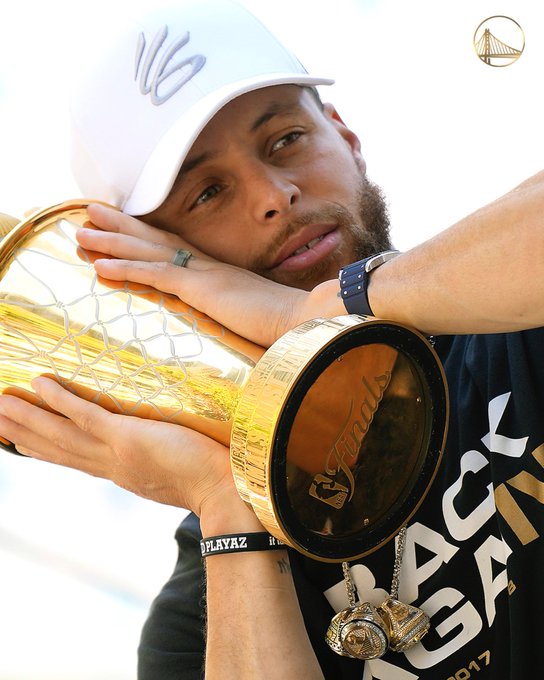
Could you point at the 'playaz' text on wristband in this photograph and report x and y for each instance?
(231, 543)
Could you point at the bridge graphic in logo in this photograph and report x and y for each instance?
(499, 41)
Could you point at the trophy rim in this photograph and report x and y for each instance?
(35, 222)
(265, 488)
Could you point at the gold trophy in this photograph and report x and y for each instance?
(335, 432)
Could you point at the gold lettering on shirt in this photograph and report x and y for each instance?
(509, 507)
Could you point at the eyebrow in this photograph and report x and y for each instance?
(187, 166)
(275, 109)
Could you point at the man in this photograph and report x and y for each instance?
(259, 177)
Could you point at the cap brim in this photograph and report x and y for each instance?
(162, 167)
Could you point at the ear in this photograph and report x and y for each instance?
(348, 135)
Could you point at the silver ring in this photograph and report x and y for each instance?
(181, 257)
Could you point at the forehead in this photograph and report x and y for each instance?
(286, 95)
(249, 112)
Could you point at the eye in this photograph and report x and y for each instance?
(207, 194)
(286, 140)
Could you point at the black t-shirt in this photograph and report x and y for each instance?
(473, 554)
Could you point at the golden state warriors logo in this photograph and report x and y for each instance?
(499, 41)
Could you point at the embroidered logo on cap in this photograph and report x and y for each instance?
(165, 67)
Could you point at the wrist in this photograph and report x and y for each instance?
(355, 282)
(324, 301)
(228, 516)
(248, 541)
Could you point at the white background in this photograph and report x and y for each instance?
(442, 133)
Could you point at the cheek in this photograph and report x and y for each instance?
(224, 237)
(227, 243)
(335, 174)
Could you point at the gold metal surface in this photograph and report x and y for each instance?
(7, 222)
(124, 346)
(358, 441)
(359, 632)
(407, 624)
(335, 432)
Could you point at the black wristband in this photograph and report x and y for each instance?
(235, 543)
(354, 281)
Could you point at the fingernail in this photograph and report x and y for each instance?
(36, 384)
(104, 262)
(98, 207)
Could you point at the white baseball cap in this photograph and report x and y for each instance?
(137, 111)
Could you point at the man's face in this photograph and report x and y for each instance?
(275, 185)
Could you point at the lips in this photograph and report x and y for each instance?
(303, 241)
(309, 248)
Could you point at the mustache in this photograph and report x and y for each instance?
(332, 213)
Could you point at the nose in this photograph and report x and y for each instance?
(272, 193)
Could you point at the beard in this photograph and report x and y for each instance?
(374, 234)
(365, 230)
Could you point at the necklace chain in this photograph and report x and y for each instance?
(399, 551)
(363, 631)
(350, 586)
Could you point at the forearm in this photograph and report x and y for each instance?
(255, 628)
(254, 625)
(484, 274)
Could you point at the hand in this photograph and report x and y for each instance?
(128, 238)
(250, 305)
(165, 462)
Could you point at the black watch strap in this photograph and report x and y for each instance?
(354, 281)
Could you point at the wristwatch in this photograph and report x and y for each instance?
(354, 280)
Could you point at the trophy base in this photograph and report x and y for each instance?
(338, 434)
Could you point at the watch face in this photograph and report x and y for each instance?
(357, 439)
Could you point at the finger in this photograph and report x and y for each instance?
(123, 246)
(46, 436)
(89, 418)
(112, 220)
(241, 301)
(164, 276)
(28, 453)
